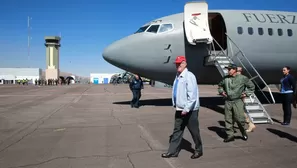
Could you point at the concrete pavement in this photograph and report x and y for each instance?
(94, 126)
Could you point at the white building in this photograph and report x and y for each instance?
(101, 78)
(11, 75)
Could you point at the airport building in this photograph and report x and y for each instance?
(12, 75)
(101, 78)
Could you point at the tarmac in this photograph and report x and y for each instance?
(91, 126)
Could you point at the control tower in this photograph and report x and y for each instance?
(52, 44)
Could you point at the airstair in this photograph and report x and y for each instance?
(254, 108)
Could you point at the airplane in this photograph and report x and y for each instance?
(260, 40)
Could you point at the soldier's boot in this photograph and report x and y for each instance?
(244, 133)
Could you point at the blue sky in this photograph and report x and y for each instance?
(87, 26)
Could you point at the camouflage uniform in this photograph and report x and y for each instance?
(234, 87)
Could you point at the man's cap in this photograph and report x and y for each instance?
(231, 66)
(180, 59)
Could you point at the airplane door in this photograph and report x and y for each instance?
(196, 23)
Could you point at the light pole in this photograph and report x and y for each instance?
(29, 38)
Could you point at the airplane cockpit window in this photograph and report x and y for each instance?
(142, 29)
(290, 32)
(153, 29)
(165, 27)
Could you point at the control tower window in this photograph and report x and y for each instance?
(153, 29)
(142, 29)
(165, 27)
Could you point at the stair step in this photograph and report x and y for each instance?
(248, 100)
(221, 58)
(255, 111)
(257, 115)
(223, 61)
(253, 107)
(251, 103)
(261, 120)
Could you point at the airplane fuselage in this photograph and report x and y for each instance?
(267, 38)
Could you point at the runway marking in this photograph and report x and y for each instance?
(59, 129)
(77, 99)
(173, 163)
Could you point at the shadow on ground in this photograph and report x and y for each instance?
(213, 103)
(185, 145)
(282, 134)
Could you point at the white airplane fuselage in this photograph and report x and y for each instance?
(268, 40)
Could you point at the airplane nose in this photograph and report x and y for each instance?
(108, 53)
(122, 53)
(114, 52)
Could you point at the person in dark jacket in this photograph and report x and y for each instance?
(136, 85)
(288, 91)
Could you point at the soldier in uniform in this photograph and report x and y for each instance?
(234, 87)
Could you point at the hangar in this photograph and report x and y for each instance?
(12, 75)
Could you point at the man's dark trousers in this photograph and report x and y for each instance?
(135, 99)
(181, 121)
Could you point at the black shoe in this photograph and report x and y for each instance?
(229, 139)
(196, 155)
(245, 136)
(285, 123)
(168, 155)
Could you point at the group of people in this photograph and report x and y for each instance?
(51, 82)
(46, 82)
(234, 88)
(23, 81)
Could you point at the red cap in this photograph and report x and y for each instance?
(180, 59)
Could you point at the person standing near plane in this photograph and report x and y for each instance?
(185, 98)
(234, 87)
(251, 125)
(136, 85)
(288, 91)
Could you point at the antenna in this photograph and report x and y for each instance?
(29, 38)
